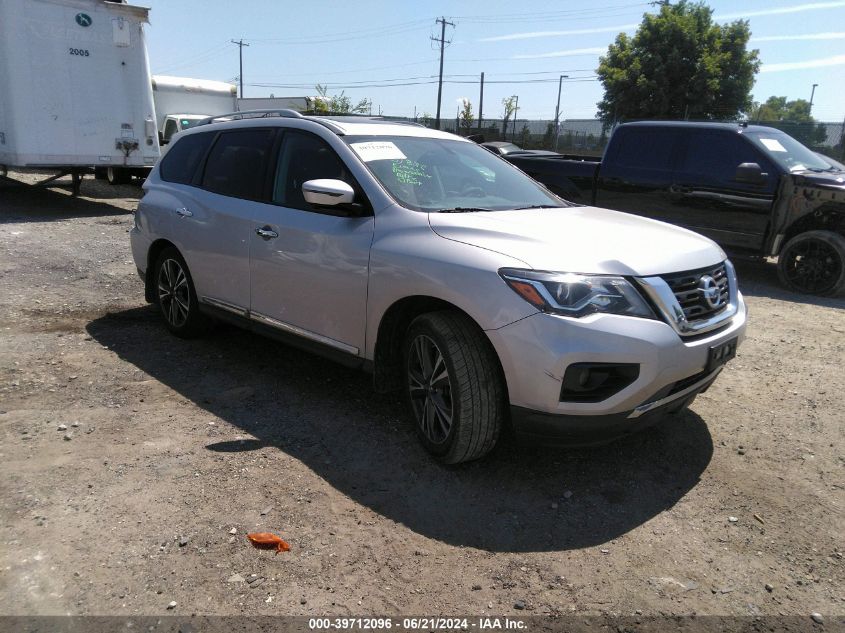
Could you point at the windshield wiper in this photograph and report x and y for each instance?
(463, 210)
(539, 206)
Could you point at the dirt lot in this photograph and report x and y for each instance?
(173, 450)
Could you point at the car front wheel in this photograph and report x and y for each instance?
(453, 387)
(814, 263)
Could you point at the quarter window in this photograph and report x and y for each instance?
(180, 162)
(237, 163)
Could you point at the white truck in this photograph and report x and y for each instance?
(75, 87)
(180, 102)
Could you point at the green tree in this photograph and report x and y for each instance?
(679, 64)
(549, 136)
(793, 117)
(338, 104)
(524, 136)
(509, 104)
(466, 116)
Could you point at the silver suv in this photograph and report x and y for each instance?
(440, 268)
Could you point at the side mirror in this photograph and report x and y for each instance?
(327, 192)
(750, 173)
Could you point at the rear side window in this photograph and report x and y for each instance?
(180, 162)
(645, 148)
(237, 164)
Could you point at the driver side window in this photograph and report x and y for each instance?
(305, 157)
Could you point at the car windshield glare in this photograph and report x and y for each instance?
(433, 174)
(787, 152)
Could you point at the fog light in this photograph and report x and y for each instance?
(594, 382)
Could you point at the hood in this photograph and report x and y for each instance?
(582, 240)
(824, 179)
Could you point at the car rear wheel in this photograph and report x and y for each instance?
(453, 387)
(176, 297)
(814, 263)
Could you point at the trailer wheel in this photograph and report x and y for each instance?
(814, 263)
(118, 176)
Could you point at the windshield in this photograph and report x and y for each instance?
(428, 174)
(186, 123)
(789, 153)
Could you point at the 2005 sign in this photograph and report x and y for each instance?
(82, 52)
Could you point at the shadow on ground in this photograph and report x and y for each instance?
(328, 417)
(20, 202)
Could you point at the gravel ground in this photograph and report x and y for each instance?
(133, 463)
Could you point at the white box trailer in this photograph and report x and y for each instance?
(75, 86)
(181, 102)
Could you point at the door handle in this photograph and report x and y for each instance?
(266, 232)
(183, 212)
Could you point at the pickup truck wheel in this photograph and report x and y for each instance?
(176, 297)
(453, 388)
(814, 263)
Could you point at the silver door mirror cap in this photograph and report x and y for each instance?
(327, 192)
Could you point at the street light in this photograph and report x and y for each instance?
(515, 110)
(812, 94)
(557, 108)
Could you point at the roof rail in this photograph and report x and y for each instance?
(253, 114)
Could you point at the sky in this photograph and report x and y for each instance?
(384, 51)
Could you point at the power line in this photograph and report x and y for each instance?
(547, 15)
(433, 81)
(389, 30)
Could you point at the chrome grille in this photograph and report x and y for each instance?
(700, 293)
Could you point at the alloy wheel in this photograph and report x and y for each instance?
(812, 265)
(430, 388)
(174, 293)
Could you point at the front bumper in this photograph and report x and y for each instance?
(536, 351)
(589, 430)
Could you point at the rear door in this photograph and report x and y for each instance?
(706, 196)
(214, 221)
(636, 173)
(309, 266)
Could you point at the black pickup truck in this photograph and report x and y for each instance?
(749, 188)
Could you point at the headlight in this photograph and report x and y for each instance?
(576, 295)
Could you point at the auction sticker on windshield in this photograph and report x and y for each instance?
(377, 150)
(772, 144)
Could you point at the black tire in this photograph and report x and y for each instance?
(117, 176)
(472, 395)
(176, 297)
(814, 263)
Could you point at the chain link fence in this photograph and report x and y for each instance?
(589, 136)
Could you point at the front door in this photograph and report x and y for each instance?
(707, 197)
(309, 266)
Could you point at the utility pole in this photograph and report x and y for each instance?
(442, 22)
(515, 110)
(557, 108)
(481, 103)
(812, 94)
(241, 45)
